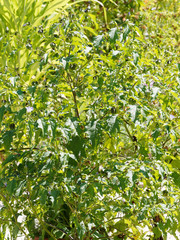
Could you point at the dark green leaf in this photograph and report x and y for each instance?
(8, 138)
(76, 146)
(155, 134)
(2, 110)
(21, 113)
(53, 128)
(11, 186)
(9, 159)
(43, 197)
(178, 66)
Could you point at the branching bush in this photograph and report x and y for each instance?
(89, 123)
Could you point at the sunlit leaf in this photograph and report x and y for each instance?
(97, 40)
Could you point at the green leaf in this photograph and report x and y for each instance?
(176, 164)
(81, 230)
(126, 32)
(9, 159)
(136, 58)
(2, 110)
(155, 134)
(43, 195)
(8, 138)
(92, 132)
(133, 111)
(113, 124)
(157, 232)
(121, 226)
(123, 182)
(21, 113)
(76, 146)
(72, 161)
(11, 186)
(113, 34)
(178, 65)
(42, 125)
(30, 125)
(55, 193)
(90, 190)
(38, 134)
(20, 188)
(97, 40)
(155, 91)
(176, 178)
(53, 128)
(83, 187)
(91, 30)
(130, 176)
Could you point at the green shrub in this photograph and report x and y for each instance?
(89, 130)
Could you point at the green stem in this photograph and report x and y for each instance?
(60, 230)
(127, 130)
(19, 62)
(15, 218)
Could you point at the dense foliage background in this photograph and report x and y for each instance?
(89, 119)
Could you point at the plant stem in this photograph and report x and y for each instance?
(127, 130)
(60, 230)
(74, 94)
(15, 218)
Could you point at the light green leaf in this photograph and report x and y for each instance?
(97, 40)
(136, 58)
(126, 32)
(42, 125)
(20, 188)
(113, 124)
(92, 132)
(155, 92)
(91, 30)
(113, 34)
(133, 111)
(121, 226)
